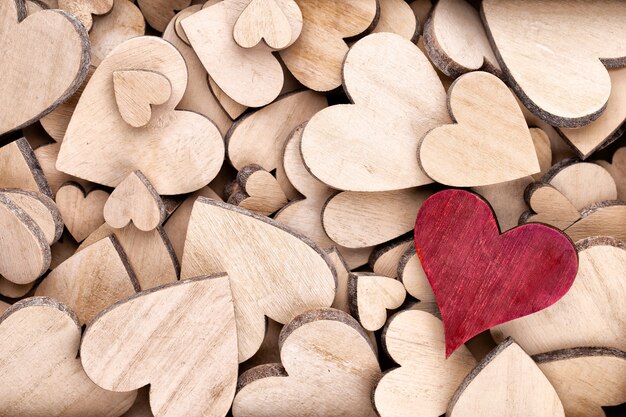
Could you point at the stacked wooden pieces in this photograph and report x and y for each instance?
(312, 208)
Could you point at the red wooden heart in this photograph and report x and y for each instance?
(482, 278)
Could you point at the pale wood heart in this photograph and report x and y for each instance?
(265, 282)
(617, 169)
(385, 259)
(412, 275)
(371, 295)
(91, 280)
(159, 13)
(489, 144)
(516, 387)
(29, 90)
(41, 374)
(136, 91)
(179, 338)
(40, 208)
(277, 22)
(396, 16)
(83, 9)
(21, 169)
(551, 207)
(82, 213)
(258, 191)
(325, 355)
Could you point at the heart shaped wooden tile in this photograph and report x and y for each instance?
(571, 86)
(489, 144)
(29, 91)
(83, 9)
(258, 191)
(586, 378)
(325, 355)
(20, 168)
(551, 207)
(264, 282)
(382, 99)
(179, 338)
(396, 16)
(82, 213)
(473, 270)
(40, 208)
(186, 149)
(136, 91)
(41, 375)
(589, 314)
(425, 381)
(158, 13)
(371, 295)
(276, 22)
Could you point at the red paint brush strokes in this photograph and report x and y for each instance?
(482, 278)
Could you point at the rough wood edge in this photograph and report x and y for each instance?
(265, 370)
(589, 242)
(170, 250)
(129, 270)
(40, 301)
(578, 352)
(47, 202)
(386, 247)
(585, 212)
(610, 138)
(35, 167)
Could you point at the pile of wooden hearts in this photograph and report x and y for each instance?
(312, 208)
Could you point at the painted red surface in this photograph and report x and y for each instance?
(482, 278)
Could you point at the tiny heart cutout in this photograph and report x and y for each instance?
(481, 278)
(83, 9)
(489, 144)
(35, 77)
(371, 295)
(136, 200)
(82, 214)
(259, 191)
(277, 22)
(136, 90)
(179, 338)
(551, 207)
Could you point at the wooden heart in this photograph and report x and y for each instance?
(411, 274)
(35, 78)
(180, 151)
(558, 76)
(425, 381)
(40, 208)
(589, 314)
(82, 213)
(602, 219)
(371, 295)
(40, 338)
(258, 191)
(83, 9)
(396, 16)
(325, 355)
(20, 168)
(402, 91)
(179, 338)
(136, 91)
(277, 22)
(473, 270)
(489, 144)
(385, 260)
(516, 387)
(551, 207)
(158, 13)
(265, 282)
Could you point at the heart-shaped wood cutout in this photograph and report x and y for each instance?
(425, 381)
(277, 22)
(402, 91)
(136, 91)
(41, 375)
(180, 151)
(20, 168)
(551, 207)
(474, 271)
(179, 338)
(40, 208)
(489, 144)
(29, 90)
(82, 213)
(324, 354)
(558, 76)
(258, 191)
(602, 219)
(371, 295)
(83, 9)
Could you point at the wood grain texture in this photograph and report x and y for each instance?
(371, 295)
(29, 92)
(82, 212)
(412, 275)
(549, 207)
(425, 381)
(277, 23)
(548, 33)
(179, 338)
(40, 208)
(259, 191)
(230, 106)
(590, 314)
(617, 169)
(473, 270)
(264, 282)
(507, 383)
(46, 157)
(396, 16)
(385, 259)
(41, 375)
(136, 91)
(607, 218)
(20, 168)
(351, 147)
(158, 13)
(325, 356)
(83, 9)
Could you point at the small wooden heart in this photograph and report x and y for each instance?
(551, 207)
(277, 22)
(82, 213)
(258, 191)
(136, 91)
(83, 9)
(371, 295)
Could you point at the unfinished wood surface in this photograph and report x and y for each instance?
(385, 259)
(176, 21)
(62, 249)
(617, 169)
(549, 207)
(83, 9)
(396, 16)
(455, 40)
(316, 58)
(46, 157)
(371, 296)
(607, 218)
(507, 383)
(150, 254)
(40, 338)
(258, 191)
(186, 149)
(179, 338)
(159, 13)
(82, 212)
(91, 280)
(586, 378)
(576, 40)
(123, 22)
(412, 275)
(251, 248)
(135, 200)
(489, 143)
(269, 352)
(230, 106)
(252, 77)
(40, 208)
(424, 383)
(473, 269)
(21, 169)
(328, 368)
(342, 297)
(136, 91)
(590, 314)
(28, 91)
(277, 23)
(13, 290)
(352, 147)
